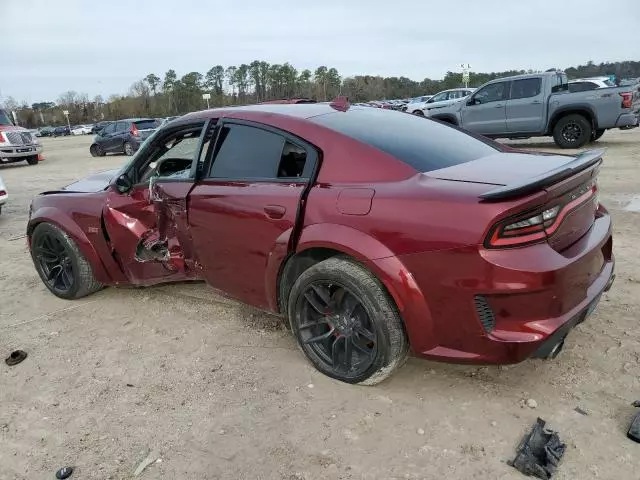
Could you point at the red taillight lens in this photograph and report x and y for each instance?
(627, 99)
(535, 226)
(2, 193)
(3, 139)
(134, 130)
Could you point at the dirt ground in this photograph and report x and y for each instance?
(216, 390)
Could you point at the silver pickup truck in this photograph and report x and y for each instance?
(537, 105)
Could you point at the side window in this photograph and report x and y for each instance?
(526, 88)
(490, 93)
(109, 128)
(245, 152)
(440, 97)
(121, 126)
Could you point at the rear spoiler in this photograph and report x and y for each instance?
(581, 162)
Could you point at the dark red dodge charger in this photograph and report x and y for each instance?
(373, 231)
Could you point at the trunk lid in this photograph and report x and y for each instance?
(569, 184)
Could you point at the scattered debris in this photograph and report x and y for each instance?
(129, 384)
(581, 411)
(64, 472)
(18, 237)
(539, 452)
(151, 458)
(636, 404)
(420, 431)
(310, 385)
(494, 424)
(531, 403)
(15, 358)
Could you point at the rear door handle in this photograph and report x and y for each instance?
(536, 102)
(275, 211)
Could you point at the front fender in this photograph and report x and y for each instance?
(61, 220)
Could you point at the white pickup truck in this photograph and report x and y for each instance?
(17, 144)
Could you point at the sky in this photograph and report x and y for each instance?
(102, 47)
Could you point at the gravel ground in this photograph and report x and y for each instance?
(214, 389)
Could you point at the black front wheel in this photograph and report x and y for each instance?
(96, 150)
(597, 134)
(572, 131)
(60, 264)
(346, 323)
(32, 159)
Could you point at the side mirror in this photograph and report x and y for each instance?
(472, 101)
(123, 183)
(430, 100)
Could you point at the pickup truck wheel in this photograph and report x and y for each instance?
(346, 323)
(572, 131)
(597, 134)
(32, 159)
(60, 264)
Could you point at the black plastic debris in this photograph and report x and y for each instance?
(634, 429)
(581, 411)
(64, 472)
(539, 452)
(15, 358)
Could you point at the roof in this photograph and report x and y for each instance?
(300, 110)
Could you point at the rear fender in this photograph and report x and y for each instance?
(95, 250)
(387, 267)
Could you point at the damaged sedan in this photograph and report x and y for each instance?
(373, 232)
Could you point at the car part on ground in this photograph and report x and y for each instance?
(539, 452)
(16, 357)
(634, 429)
(64, 472)
(478, 291)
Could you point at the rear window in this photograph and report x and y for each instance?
(146, 124)
(424, 144)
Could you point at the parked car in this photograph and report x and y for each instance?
(4, 195)
(123, 136)
(407, 234)
(17, 144)
(443, 99)
(416, 104)
(537, 105)
(61, 131)
(584, 84)
(82, 130)
(46, 131)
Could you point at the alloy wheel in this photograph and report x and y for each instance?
(572, 132)
(336, 330)
(54, 262)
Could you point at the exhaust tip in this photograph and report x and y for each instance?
(555, 350)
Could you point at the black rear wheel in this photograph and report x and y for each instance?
(32, 159)
(572, 131)
(60, 264)
(346, 323)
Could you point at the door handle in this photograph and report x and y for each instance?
(275, 211)
(499, 106)
(536, 102)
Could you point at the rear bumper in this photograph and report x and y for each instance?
(19, 151)
(529, 297)
(627, 120)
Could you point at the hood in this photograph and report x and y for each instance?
(502, 168)
(93, 183)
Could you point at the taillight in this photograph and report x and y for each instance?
(2, 193)
(535, 226)
(134, 130)
(3, 139)
(627, 99)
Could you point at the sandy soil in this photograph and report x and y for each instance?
(219, 390)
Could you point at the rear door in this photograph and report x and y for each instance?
(525, 107)
(105, 137)
(485, 112)
(248, 205)
(118, 138)
(147, 225)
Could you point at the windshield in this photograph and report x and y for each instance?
(4, 118)
(147, 124)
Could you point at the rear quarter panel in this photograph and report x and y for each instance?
(603, 103)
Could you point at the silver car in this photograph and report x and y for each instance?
(444, 99)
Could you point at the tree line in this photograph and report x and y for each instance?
(258, 81)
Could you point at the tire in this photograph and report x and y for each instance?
(75, 278)
(572, 131)
(420, 113)
(96, 150)
(360, 318)
(32, 159)
(597, 134)
(128, 149)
